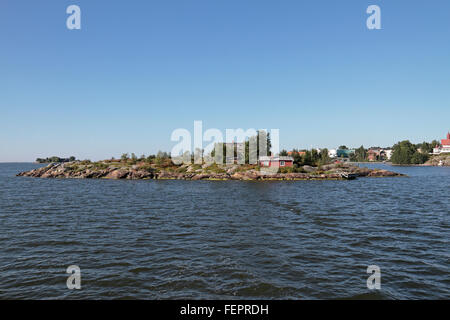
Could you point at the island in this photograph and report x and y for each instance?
(164, 169)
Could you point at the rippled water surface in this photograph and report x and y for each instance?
(225, 239)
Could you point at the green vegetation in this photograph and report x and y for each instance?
(419, 158)
(254, 140)
(426, 147)
(404, 152)
(360, 155)
(310, 157)
(288, 170)
(100, 165)
(55, 160)
(214, 168)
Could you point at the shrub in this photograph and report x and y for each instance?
(100, 165)
(214, 168)
(181, 169)
(287, 170)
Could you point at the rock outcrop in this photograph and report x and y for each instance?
(439, 160)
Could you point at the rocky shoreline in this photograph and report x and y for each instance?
(117, 170)
(439, 160)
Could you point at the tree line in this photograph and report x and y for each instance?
(55, 160)
(308, 157)
(405, 152)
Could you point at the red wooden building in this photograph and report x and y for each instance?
(278, 162)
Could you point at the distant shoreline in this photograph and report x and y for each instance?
(11, 162)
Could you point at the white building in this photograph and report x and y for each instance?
(332, 153)
(388, 153)
(445, 146)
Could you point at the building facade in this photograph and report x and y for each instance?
(444, 147)
(332, 153)
(344, 153)
(374, 154)
(278, 162)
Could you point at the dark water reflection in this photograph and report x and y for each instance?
(183, 239)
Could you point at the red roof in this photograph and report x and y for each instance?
(446, 142)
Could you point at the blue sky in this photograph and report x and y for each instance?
(137, 70)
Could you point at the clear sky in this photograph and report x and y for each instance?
(137, 70)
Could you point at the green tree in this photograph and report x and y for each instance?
(307, 158)
(425, 147)
(360, 155)
(324, 157)
(434, 144)
(262, 134)
(315, 156)
(162, 155)
(403, 152)
(419, 158)
(298, 159)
